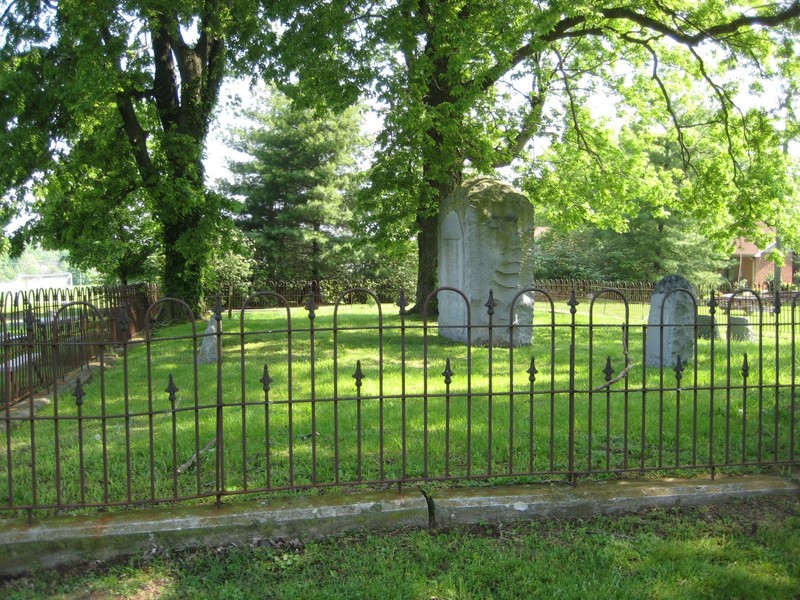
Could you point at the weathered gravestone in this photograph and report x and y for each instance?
(670, 325)
(485, 242)
(208, 347)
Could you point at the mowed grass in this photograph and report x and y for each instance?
(748, 550)
(292, 414)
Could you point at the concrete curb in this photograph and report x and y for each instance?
(70, 540)
(592, 498)
(63, 541)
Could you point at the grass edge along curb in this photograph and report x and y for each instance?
(63, 541)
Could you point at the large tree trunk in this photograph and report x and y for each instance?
(427, 253)
(183, 273)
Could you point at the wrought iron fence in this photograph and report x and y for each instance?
(30, 361)
(288, 398)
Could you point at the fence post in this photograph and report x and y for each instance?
(573, 303)
(220, 428)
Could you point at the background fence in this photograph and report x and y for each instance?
(33, 354)
(345, 394)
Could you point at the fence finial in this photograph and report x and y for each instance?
(79, 392)
(311, 305)
(265, 379)
(123, 322)
(172, 389)
(572, 302)
(532, 370)
(609, 370)
(678, 369)
(712, 303)
(490, 303)
(218, 309)
(402, 302)
(358, 375)
(447, 373)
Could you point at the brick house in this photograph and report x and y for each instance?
(752, 264)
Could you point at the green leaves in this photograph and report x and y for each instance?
(296, 186)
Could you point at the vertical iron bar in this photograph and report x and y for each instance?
(151, 440)
(643, 448)
(712, 311)
(511, 389)
(242, 383)
(32, 414)
(336, 457)
(124, 333)
(626, 409)
(532, 372)
(425, 397)
(381, 401)
(728, 369)
(777, 309)
(359, 377)
(678, 376)
(590, 398)
(79, 396)
(573, 303)
(448, 378)
(266, 380)
(402, 303)
(56, 417)
(103, 415)
(793, 388)
(172, 391)
(220, 407)
(312, 307)
(609, 371)
(7, 389)
(490, 304)
(745, 374)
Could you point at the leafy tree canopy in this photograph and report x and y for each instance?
(468, 86)
(107, 104)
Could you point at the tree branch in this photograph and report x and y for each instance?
(725, 101)
(566, 28)
(530, 123)
(582, 142)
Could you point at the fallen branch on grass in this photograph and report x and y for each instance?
(622, 374)
(193, 460)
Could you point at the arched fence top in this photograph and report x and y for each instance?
(356, 290)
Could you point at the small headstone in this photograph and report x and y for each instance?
(670, 325)
(486, 243)
(208, 347)
(739, 329)
(704, 328)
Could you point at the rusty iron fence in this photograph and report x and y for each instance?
(29, 361)
(290, 398)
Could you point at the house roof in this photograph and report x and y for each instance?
(748, 249)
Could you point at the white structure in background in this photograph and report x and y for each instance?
(35, 282)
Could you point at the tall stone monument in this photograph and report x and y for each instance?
(671, 331)
(486, 243)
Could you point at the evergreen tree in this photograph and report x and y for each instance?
(296, 186)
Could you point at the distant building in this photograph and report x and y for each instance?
(753, 265)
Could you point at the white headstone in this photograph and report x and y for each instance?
(208, 347)
(670, 325)
(486, 243)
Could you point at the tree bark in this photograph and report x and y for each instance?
(427, 254)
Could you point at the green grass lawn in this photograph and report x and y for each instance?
(748, 550)
(314, 425)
